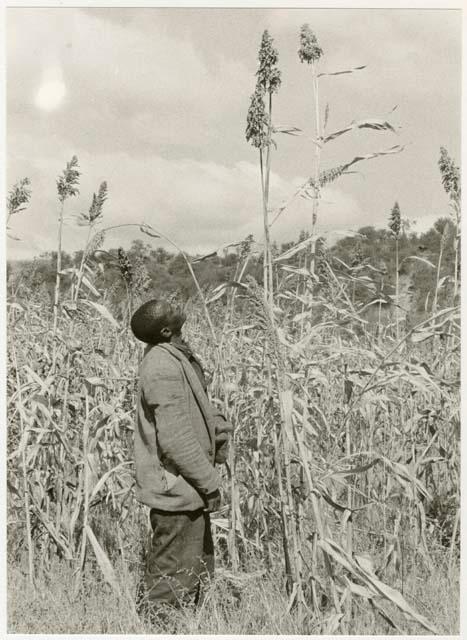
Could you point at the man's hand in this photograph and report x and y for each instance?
(212, 501)
(222, 448)
(223, 425)
(224, 429)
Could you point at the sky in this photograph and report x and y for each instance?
(154, 101)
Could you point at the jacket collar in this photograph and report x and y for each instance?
(195, 385)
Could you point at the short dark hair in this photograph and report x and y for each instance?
(154, 315)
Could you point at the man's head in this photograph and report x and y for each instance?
(157, 321)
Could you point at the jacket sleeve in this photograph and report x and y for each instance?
(164, 392)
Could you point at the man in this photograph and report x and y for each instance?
(178, 439)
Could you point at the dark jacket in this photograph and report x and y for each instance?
(175, 433)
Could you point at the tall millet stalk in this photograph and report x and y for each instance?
(310, 52)
(18, 196)
(66, 187)
(24, 470)
(451, 179)
(259, 133)
(442, 228)
(395, 227)
(90, 219)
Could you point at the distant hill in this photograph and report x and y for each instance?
(147, 272)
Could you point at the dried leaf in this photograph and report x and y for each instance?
(313, 239)
(103, 311)
(443, 281)
(145, 228)
(424, 260)
(331, 502)
(291, 131)
(339, 73)
(368, 156)
(385, 617)
(420, 336)
(372, 582)
(353, 470)
(398, 599)
(296, 248)
(299, 271)
(52, 531)
(213, 254)
(95, 381)
(15, 305)
(372, 123)
(221, 289)
(90, 286)
(333, 623)
(365, 562)
(100, 483)
(286, 403)
(103, 560)
(21, 446)
(358, 590)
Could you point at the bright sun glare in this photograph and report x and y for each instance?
(50, 95)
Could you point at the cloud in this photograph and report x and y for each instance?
(199, 205)
(156, 102)
(405, 49)
(85, 46)
(116, 73)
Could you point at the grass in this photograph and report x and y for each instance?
(250, 602)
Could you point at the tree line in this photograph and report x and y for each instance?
(143, 271)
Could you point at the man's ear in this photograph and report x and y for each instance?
(166, 332)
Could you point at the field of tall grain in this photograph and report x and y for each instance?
(341, 490)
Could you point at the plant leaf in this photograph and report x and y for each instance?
(148, 230)
(424, 260)
(398, 599)
(358, 590)
(353, 470)
(368, 156)
(94, 381)
(421, 336)
(295, 249)
(100, 483)
(91, 287)
(103, 560)
(15, 305)
(443, 281)
(372, 582)
(339, 73)
(291, 131)
(221, 289)
(52, 530)
(385, 617)
(371, 123)
(213, 254)
(103, 311)
(304, 243)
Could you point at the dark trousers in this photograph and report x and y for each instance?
(180, 558)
